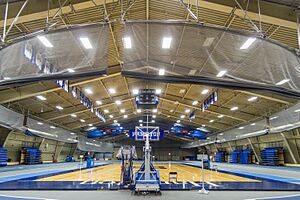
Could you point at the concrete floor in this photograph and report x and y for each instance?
(126, 195)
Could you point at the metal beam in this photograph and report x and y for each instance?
(278, 17)
(28, 91)
(4, 23)
(265, 97)
(292, 152)
(209, 111)
(53, 115)
(59, 147)
(15, 20)
(41, 144)
(7, 138)
(298, 28)
(255, 150)
(188, 10)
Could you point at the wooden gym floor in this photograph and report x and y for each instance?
(112, 172)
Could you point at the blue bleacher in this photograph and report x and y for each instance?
(246, 156)
(235, 156)
(32, 156)
(3, 156)
(220, 156)
(272, 156)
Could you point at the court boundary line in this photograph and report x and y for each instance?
(276, 197)
(20, 197)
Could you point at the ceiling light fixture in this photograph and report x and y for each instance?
(275, 117)
(127, 42)
(111, 116)
(208, 41)
(283, 81)
(138, 110)
(220, 116)
(161, 72)
(182, 116)
(157, 91)
(59, 107)
(241, 128)
(234, 108)
(166, 44)
(82, 120)
(41, 97)
(135, 91)
(252, 98)
(125, 116)
(211, 121)
(106, 111)
(178, 121)
(73, 115)
(140, 121)
(187, 110)
(205, 91)
(122, 110)
(118, 102)
(221, 73)
(248, 43)
(45, 41)
(40, 123)
(88, 91)
(86, 42)
(195, 103)
(154, 110)
(71, 70)
(98, 102)
(111, 90)
(154, 116)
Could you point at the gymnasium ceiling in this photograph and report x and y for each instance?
(278, 22)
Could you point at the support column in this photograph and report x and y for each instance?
(255, 150)
(7, 138)
(58, 150)
(74, 150)
(41, 144)
(298, 28)
(229, 144)
(292, 149)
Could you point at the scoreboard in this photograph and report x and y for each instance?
(147, 99)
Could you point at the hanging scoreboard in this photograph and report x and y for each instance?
(147, 99)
